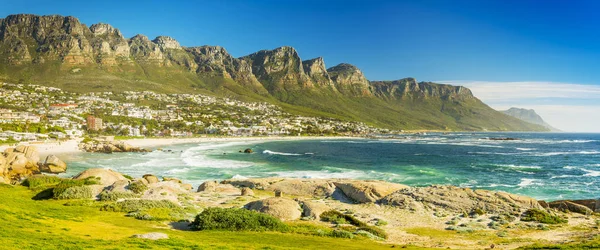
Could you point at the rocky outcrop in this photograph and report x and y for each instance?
(569, 206)
(349, 80)
(409, 88)
(279, 70)
(315, 69)
(144, 50)
(458, 200)
(368, 191)
(106, 177)
(313, 209)
(296, 187)
(53, 165)
(282, 208)
(110, 147)
(18, 163)
(151, 179)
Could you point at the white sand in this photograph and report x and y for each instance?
(48, 148)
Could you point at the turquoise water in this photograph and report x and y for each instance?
(541, 165)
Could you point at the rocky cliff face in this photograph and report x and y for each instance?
(349, 80)
(215, 60)
(315, 69)
(410, 88)
(31, 38)
(279, 69)
(109, 45)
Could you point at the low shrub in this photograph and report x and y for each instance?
(139, 205)
(128, 177)
(75, 192)
(375, 231)
(341, 234)
(542, 216)
(235, 219)
(114, 196)
(68, 183)
(341, 218)
(41, 181)
(138, 187)
(158, 214)
(380, 222)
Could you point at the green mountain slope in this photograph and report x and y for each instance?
(62, 52)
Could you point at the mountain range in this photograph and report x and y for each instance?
(529, 115)
(62, 52)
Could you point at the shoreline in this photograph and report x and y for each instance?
(72, 146)
(156, 142)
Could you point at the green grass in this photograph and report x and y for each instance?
(49, 224)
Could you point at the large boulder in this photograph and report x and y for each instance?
(30, 152)
(459, 200)
(313, 209)
(298, 187)
(282, 208)
(53, 165)
(165, 190)
(151, 178)
(208, 186)
(107, 176)
(569, 206)
(368, 191)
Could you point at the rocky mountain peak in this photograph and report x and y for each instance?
(140, 38)
(315, 69)
(410, 88)
(349, 80)
(280, 69)
(101, 29)
(166, 42)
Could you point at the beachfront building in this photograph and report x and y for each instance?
(94, 123)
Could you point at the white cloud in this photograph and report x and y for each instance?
(570, 107)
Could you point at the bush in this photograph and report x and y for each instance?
(236, 219)
(139, 205)
(340, 218)
(75, 192)
(128, 177)
(39, 181)
(138, 187)
(68, 183)
(380, 222)
(375, 231)
(341, 234)
(114, 196)
(158, 214)
(542, 216)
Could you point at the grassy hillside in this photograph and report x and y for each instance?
(49, 224)
(411, 114)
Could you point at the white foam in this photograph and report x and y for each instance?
(526, 182)
(592, 173)
(526, 149)
(239, 177)
(325, 174)
(177, 170)
(279, 153)
(518, 166)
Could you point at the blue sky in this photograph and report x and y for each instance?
(464, 42)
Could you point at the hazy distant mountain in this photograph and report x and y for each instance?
(62, 52)
(528, 115)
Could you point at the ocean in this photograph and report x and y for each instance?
(546, 166)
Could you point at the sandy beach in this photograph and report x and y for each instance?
(71, 146)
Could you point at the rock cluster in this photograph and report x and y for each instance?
(109, 147)
(23, 161)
